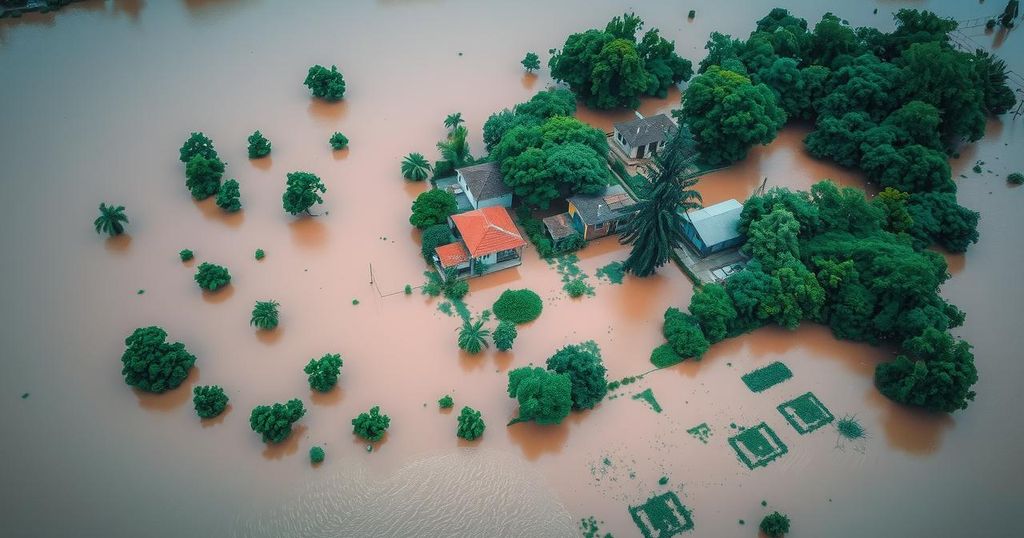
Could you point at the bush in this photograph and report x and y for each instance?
(325, 83)
(582, 363)
(433, 207)
(1015, 178)
(264, 315)
(471, 425)
(274, 422)
(185, 255)
(209, 401)
(433, 237)
(338, 141)
(302, 190)
(202, 176)
(518, 306)
(664, 356)
(212, 277)
(456, 289)
(317, 455)
(473, 336)
(505, 335)
(152, 364)
(577, 288)
(684, 334)
(323, 373)
(197, 144)
(372, 425)
(227, 196)
(445, 402)
(259, 146)
(408, 289)
(260, 254)
(775, 524)
(544, 397)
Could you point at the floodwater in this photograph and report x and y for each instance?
(96, 100)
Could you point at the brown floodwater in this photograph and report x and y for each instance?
(95, 101)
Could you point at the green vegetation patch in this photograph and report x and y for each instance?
(590, 528)
(574, 280)
(850, 428)
(613, 272)
(662, 516)
(805, 413)
(757, 446)
(518, 306)
(648, 396)
(767, 377)
(701, 432)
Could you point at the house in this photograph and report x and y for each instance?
(641, 137)
(597, 215)
(483, 186)
(486, 241)
(714, 228)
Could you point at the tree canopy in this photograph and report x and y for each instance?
(582, 363)
(197, 144)
(259, 146)
(544, 397)
(209, 400)
(202, 176)
(505, 335)
(432, 207)
(212, 277)
(415, 167)
(371, 425)
(110, 220)
(323, 372)
(531, 62)
(228, 196)
(274, 422)
(471, 425)
(327, 84)
(152, 364)
(264, 315)
(302, 190)
(518, 306)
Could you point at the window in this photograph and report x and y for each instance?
(506, 255)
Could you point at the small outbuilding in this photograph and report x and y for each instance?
(642, 137)
(598, 215)
(714, 228)
(482, 184)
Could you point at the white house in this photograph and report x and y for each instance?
(641, 137)
(483, 186)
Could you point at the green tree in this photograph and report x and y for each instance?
(866, 84)
(518, 306)
(301, 192)
(264, 315)
(912, 168)
(259, 146)
(471, 425)
(202, 176)
(775, 524)
(714, 311)
(185, 255)
(839, 138)
(991, 71)
(372, 425)
(433, 237)
(946, 79)
(503, 121)
(529, 177)
(936, 218)
(445, 402)
(338, 141)
(227, 196)
(197, 144)
(544, 397)
(274, 422)
(110, 220)
(587, 374)
(451, 121)
(473, 336)
(558, 130)
(894, 204)
(325, 83)
(152, 364)
(415, 167)
(433, 207)
(772, 239)
(684, 335)
(548, 103)
(316, 455)
(505, 335)
(209, 401)
(212, 277)
(656, 229)
(323, 372)
(727, 115)
(936, 373)
(531, 62)
(916, 122)
(455, 149)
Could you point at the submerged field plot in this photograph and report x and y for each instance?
(757, 446)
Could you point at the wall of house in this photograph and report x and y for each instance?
(465, 189)
(503, 201)
(629, 151)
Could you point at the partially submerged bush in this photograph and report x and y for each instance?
(317, 455)
(433, 237)
(197, 144)
(228, 196)
(531, 62)
(212, 277)
(302, 190)
(664, 356)
(582, 363)
(259, 254)
(264, 315)
(274, 422)
(471, 425)
(775, 524)
(202, 176)
(327, 84)
(544, 397)
(850, 428)
(577, 287)
(446, 402)
(338, 141)
(1015, 178)
(186, 255)
(259, 146)
(152, 364)
(518, 306)
(323, 373)
(684, 335)
(415, 167)
(110, 220)
(372, 425)
(209, 401)
(505, 335)
(473, 336)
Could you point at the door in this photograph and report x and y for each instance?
(640, 152)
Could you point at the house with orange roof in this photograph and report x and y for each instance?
(486, 240)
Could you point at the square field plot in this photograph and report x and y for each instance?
(757, 446)
(767, 377)
(662, 516)
(805, 413)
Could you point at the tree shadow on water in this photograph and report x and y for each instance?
(118, 244)
(329, 112)
(529, 80)
(219, 419)
(270, 337)
(172, 399)
(910, 429)
(276, 451)
(330, 397)
(211, 211)
(263, 163)
(308, 232)
(536, 440)
(219, 296)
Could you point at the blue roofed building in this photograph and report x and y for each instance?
(714, 228)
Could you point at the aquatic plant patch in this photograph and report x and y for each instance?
(662, 516)
(648, 396)
(574, 280)
(613, 272)
(757, 446)
(767, 377)
(701, 432)
(850, 428)
(805, 413)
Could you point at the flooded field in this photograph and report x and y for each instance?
(95, 102)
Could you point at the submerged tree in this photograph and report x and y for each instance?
(415, 167)
(582, 363)
(301, 192)
(197, 144)
(505, 335)
(274, 422)
(209, 401)
(451, 121)
(264, 315)
(316, 455)
(325, 83)
(152, 364)
(371, 426)
(471, 425)
(433, 207)
(212, 277)
(544, 397)
(227, 196)
(656, 228)
(323, 372)
(531, 62)
(202, 176)
(110, 220)
(775, 524)
(338, 141)
(259, 146)
(473, 336)
(455, 149)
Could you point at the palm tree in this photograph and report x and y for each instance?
(473, 336)
(415, 167)
(455, 149)
(110, 220)
(453, 120)
(264, 315)
(656, 229)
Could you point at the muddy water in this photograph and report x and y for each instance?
(95, 102)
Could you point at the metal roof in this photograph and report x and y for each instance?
(717, 223)
(611, 204)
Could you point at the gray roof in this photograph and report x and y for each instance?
(611, 204)
(717, 223)
(484, 181)
(643, 131)
(559, 226)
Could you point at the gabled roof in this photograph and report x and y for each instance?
(452, 254)
(559, 226)
(487, 230)
(717, 223)
(611, 204)
(643, 131)
(484, 181)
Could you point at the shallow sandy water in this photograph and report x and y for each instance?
(95, 102)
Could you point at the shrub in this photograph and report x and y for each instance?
(577, 288)
(317, 455)
(1015, 178)
(531, 62)
(372, 425)
(325, 83)
(445, 402)
(456, 289)
(415, 167)
(197, 144)
(260, 254)
(471, 425)
(259, 146)
(338, 141)
(518, 306)
(152, 364)
(274, 422)
(227, 196)
(544, 397)
(433, 207)
(582, 363)
(505, 335)
(209, 401)
(264, 315)
(185, 255)
(212, 277)
(684, 334)
(301, 192)
(202, 176)
(850, 428)
(323, 373)
(473, 336)
(433, 237)
(664, 356)
(408, 289)
(775, 524)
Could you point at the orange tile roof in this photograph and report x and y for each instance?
(452, 254)
(488, 230)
